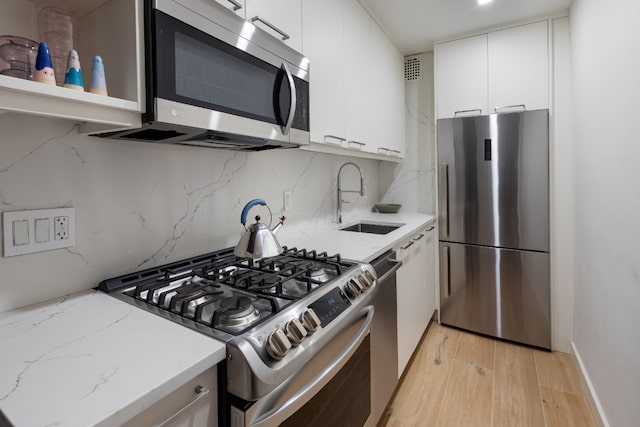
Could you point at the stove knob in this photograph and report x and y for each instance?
(278, 345)
(295, 331)
(369, 276)
(364, 281)
(310, 320)
(353, 288)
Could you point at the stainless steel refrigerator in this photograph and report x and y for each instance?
(493, 197)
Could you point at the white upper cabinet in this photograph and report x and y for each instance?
(282, 18)
(357, 86)
(519, 67)
(502, 69)
(237, 6)
(326, 55)
(385, 100)
(358, 60)
(461, 76)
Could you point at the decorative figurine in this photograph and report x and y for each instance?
(44, 67)
(98, 81)
(73, 78)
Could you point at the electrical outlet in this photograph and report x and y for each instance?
(61, 227)
(25, 232)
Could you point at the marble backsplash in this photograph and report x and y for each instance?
(412, 183)
(138, 204)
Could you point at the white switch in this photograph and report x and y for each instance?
(25, 232)
(42, 230)
(20, 232)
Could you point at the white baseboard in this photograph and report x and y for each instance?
(594, 402)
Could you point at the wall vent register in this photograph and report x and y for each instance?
(412, 69)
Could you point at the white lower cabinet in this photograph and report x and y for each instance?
(193, 404)
(416, 293)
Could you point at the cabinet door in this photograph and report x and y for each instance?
(284, 15)
(386, 103)
(357, 60)
(237, 6)
(202, 391)
(519, 67)
(461, 76)
(429, 261)
(410, 291)
(322, 24)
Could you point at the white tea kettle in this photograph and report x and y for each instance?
(258, 241)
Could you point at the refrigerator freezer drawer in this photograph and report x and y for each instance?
(499, 292)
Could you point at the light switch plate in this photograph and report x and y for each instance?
(39, 230)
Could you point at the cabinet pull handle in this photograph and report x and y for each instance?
(358, 143)
(431, 228)
(446, 279)
(201, 393)
(284, 35)
(383, 150)
(509, 107)
(236, 5)
(329, 141)
(408, 245)
(397, 152)
(477, 112)
(444, 213)
(418, 238)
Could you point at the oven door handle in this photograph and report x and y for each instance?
(281, 413)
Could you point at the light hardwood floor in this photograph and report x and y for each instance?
(466, 380)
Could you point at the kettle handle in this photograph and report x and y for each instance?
(248, 206)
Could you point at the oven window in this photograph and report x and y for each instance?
(345, 400)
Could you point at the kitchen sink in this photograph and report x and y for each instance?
(367, 227)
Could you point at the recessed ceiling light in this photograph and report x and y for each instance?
(481, 2)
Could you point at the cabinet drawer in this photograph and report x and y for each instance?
(202, 412)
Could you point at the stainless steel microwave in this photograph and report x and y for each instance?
(216, 80)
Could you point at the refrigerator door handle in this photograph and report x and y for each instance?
(444, 210)
(446, 278)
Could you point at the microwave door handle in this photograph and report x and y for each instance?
(281, 413)
(292, 110)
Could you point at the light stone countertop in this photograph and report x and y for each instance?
(359, 246)
(89, 359)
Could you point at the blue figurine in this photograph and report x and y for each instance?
(98, 81)
(73, 78)
(44, 66)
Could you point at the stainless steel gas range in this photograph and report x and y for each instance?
(296, 327)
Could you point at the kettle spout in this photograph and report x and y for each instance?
(275, 229)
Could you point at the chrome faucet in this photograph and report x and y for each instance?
(340, 190)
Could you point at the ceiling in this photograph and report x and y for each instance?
(414, 25)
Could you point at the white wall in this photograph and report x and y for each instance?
(606, 99)
(412, 182)
(141, 204)
(562, 200)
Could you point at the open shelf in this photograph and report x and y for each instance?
(109, 28)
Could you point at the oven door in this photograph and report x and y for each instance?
(208, 77)
(333, 388)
